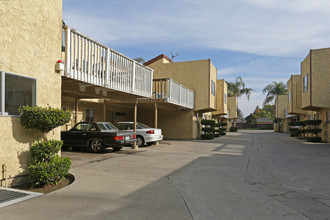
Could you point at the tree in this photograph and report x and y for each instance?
(251, 120)
(273, 90)
(237, 88)
(239, 113)
(139, 60)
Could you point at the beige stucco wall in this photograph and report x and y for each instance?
(175, 124)
(294, 87)
(221, 91)
(232, 107)
(281, 104)
(320, 78)
(30, 39)
(305, 70)
(195, 75)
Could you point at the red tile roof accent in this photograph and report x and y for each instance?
(157, 58)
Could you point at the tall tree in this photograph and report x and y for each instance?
(139, 60)
(273, 90)
(237, 88)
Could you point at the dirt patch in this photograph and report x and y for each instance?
(67, 180)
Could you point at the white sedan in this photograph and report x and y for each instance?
(144, 133)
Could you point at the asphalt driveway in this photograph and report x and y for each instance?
(244, 175)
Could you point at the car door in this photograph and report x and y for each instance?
(78, 135)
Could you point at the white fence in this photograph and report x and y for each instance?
(91, 62)
(173, 92)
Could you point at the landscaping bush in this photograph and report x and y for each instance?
(223, 124)
(207, 136)
(208, 122)
(43, 119)
(208, 129)
(314, 130)
(47, 167)
(216, 135)
(266, 127)
(45, 150)
(314, 139)
(301, 123)
(50, 172)
(222, 133)
(313, 122)
(233, 129)
(292, 123)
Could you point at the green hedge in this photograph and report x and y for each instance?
(208, 122)
(314, 130)
(301, 123)
(223, 124)
(43, 150)
(233, 129)
(216, 135)
(208, 129)
(207, 136)
(43, 119)
(222, 133)
(266, 127)
(51, 172)
(313, 122)
(314, 139)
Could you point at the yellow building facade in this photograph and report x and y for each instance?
(281, 110)
(30, 38)
(315, 87)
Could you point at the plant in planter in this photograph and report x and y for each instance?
(47, 166)
(314, 130)
(208, 129)
(217, 130)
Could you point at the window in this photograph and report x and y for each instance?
(225, 98)
(305, 83)
(16, 91)
(89, 115)
(289, 96)
(212, 87)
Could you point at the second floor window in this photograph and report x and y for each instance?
(212, 87)
(305, 83)
(225, 98)
(289, 96)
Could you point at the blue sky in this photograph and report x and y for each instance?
(260, 40)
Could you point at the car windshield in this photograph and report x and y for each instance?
(141, 125)
(106, 126)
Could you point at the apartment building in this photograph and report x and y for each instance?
(315, 88)
(198, 76)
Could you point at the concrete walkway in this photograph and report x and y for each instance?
(244, 175)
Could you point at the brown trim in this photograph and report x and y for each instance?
(310, 77)
(162, 56)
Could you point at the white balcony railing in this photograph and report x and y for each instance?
(173, 92)
(91, 62)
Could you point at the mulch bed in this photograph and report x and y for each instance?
(67, 180)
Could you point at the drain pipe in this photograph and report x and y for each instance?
(4, 174)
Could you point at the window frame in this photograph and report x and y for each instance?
(3, 92)
(305, 81)
(213, 87)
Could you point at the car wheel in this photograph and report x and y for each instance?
(114, 149)
(139, 141)
(150, 143)
(96, 146)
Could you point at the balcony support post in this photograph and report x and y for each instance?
(135, 119)
(156, 119)
(67, 51)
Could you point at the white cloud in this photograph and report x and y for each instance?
(267, 27)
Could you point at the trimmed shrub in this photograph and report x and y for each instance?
(301, 123)
(208, 122)
(223, 124)
(51, 172)
(293, 129)
(313, 122)
(222, 133)
(233, 129)
(216, 135)
(314, 139)
(314, 130)
(266, 127)
(207, 136)
(43, 119)
(292, 123)
(208, 129)
(43, 151)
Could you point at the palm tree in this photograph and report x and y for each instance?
(273, 90)
(237, 88)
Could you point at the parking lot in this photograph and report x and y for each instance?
(243, 175)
